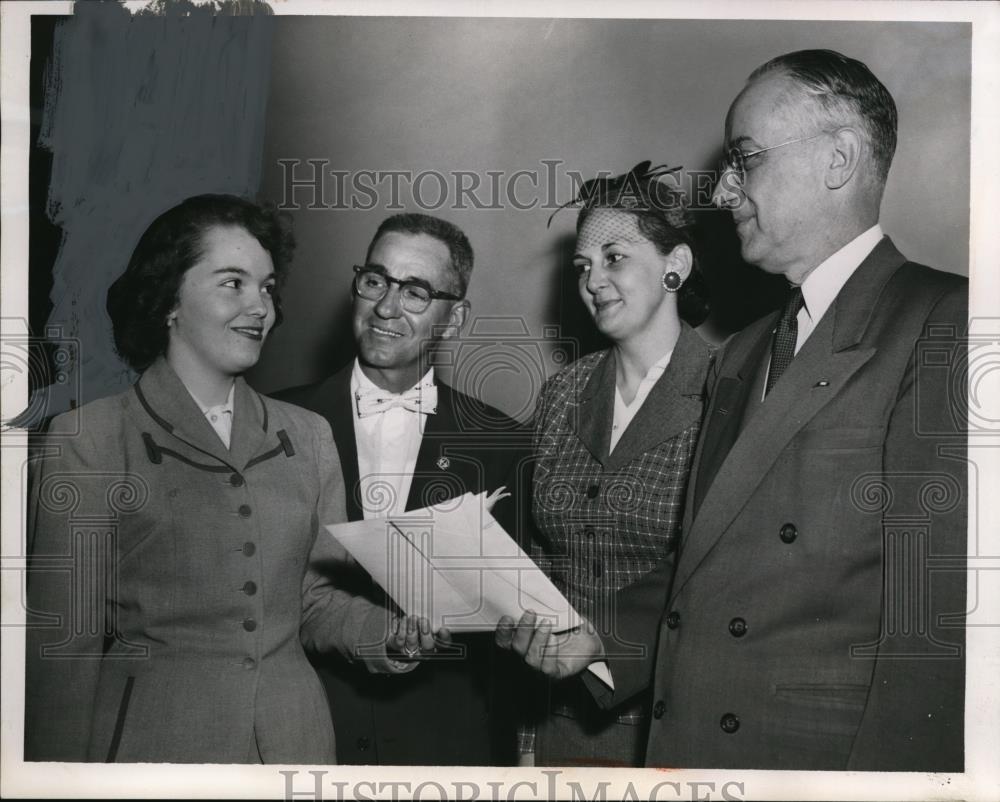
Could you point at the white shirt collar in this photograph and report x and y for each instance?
(361, 383)
(822, 285)
(652, 377)
(227, 406)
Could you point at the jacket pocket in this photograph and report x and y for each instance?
(116, 737)
(819, 710)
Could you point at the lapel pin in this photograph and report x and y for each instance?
(822, 383)
(444, 463)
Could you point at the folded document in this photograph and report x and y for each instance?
(454, 565)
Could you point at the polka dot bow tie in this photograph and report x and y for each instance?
(422, 398)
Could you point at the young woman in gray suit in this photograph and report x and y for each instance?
(615, 434)
(175, 531)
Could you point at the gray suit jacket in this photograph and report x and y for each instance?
(171, 589)
(815, 618)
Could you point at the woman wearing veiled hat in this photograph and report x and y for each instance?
(615, 434)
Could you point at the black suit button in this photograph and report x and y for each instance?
(249, 663)
(673, 619)
(249, 548)
(236, 480)
(737, 627)
(249, 624)
(250, 588)
(245, 511)
(659, 709)
(729, 723)
(363, 744)
(788, 533)
(593, 490)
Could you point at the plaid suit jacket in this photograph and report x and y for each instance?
(606, 519)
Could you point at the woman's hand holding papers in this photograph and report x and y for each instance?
(411, 639)
(556, 655)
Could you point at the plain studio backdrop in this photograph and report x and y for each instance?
(507, 95)
(394, 114)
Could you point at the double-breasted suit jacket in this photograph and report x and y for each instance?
(815, 618)
(451, 711)
(605, 518)
(171, 591)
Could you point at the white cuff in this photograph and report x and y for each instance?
(600, 669)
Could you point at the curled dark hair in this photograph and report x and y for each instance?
(663, 218)
(142, 297)
(451, 235)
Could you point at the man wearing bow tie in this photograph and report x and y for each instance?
(407, 440)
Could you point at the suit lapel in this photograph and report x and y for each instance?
(597, 408)
(827, 361)
(729, 401)
(672, 404)
(334, 402)
(435, 426)
(249, 434)
(169, 403)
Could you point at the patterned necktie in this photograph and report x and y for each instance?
(422, 398)
(783, 344)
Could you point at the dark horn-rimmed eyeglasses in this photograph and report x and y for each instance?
(372, 284)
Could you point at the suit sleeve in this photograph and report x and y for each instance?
(334, 619)
(630, 634)
(915, 711)
(66, 616)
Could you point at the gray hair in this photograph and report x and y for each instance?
(844, 89)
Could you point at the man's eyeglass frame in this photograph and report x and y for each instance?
(360, 271)
(736, 160)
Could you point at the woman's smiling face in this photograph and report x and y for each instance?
(619, 273)
(226, 307)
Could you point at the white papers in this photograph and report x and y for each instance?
(454, 565)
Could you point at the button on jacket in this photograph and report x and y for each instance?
(606, 517)
(832, 525)
(175, 582)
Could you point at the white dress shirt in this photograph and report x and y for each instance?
(388, 443)
(220, 416)
(823, 284)
(625, 412)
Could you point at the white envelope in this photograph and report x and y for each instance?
(455, 565)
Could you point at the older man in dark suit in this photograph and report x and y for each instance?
(814, 617)
(407, 440)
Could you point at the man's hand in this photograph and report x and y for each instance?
(555, 655)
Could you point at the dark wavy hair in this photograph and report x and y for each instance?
(142, 297)
(451, 235)
(663, 218)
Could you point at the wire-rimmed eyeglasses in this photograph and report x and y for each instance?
(736, 160)
(372, 284)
